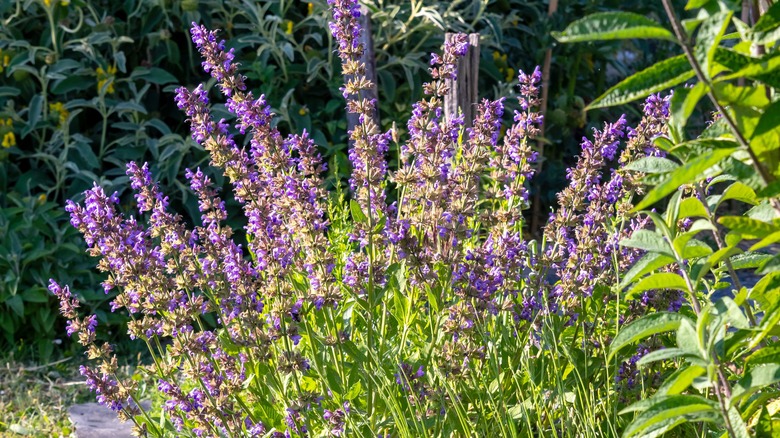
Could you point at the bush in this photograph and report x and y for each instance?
(344, 314)
(87, 86)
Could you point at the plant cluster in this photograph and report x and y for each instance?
(86, 86)
(724, 348)
(359, 313)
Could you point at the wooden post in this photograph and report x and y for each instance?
(367, 40)
(464, 93)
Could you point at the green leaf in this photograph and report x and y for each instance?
(752, 96)
(648, 241)
(692, 207)
(357, 213)
(729, 312)
(696, 4)
(767, 355)
(687, 340)
(694, 249)
(34, 112)
(680, 380)
(16, 304)
(659, 77)
(766, 241)
(765, 66)
(767, 28)
(662, 354)
(708, 39)
(72, 83)
(765, 139)
(767, 290)
(605, 26)
(648, 263)
(686, 174)
(9, 91)
(749, 260)
(755, 379)
(154, 75)
(740, 192)
(681, 107)
(735, 61)
(768, 323)
(652, 165)
(692, 407)
(748, 228)
(643, 327)
(660, 280)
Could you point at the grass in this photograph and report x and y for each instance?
(34, 399)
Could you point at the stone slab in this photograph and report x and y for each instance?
(93, 420)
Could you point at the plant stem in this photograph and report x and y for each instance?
(684, 42)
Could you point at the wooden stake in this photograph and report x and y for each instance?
(464, 93)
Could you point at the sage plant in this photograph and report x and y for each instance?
(358, 317)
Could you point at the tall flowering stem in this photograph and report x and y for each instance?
(318, 325)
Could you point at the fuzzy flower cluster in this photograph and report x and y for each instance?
(255, 332)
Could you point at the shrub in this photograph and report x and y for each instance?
(720, 218)
(344, 314)
(86, 87)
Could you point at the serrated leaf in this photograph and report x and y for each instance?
(643, 327)
(660, 281)
(659, 77)
(686, 174)
(606, 26)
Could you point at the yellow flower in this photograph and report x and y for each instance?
(64, 2)
(9, 139)
(311, 8)
(303, 111)
(41, 199)
(289, 30)
(62, 114)
(103, 77)
(47, 3)
(510, 74)
(6, 59)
